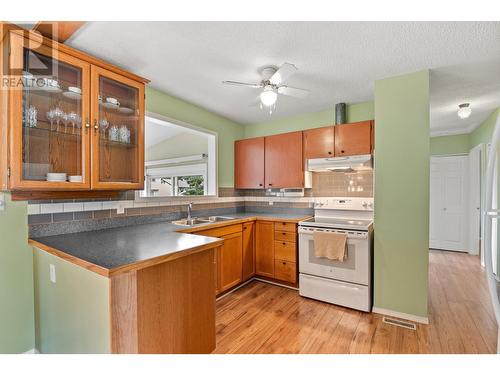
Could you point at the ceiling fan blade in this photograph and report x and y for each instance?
(236, 83)
(293, 91)
(282, 74)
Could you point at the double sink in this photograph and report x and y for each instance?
(202, 220)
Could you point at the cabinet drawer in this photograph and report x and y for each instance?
(221, 231)
(285, 250)
(284, 270)
(285, 227)
(285, 236)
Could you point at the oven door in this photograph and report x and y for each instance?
(355, 269)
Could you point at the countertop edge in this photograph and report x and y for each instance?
(136, 266)
(70, 258)
(203, 227)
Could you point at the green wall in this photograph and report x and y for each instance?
(16, 280)
(72, 315)
(355, 112)
(228, 131)
(450, 144)
(402, 193)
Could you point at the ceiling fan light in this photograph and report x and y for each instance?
(268, 96)
(464, 110)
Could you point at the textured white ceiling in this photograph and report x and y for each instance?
(337, 61)
(475, 83)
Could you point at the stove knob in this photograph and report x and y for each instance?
(365, 205)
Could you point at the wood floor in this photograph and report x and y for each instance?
(263, 318)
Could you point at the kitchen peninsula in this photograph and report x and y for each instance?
(138, 289)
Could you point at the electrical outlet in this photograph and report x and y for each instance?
(2, 202)
(52, 273)
(120, 209)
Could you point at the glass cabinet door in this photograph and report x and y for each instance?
(118, 126)
(50, 110)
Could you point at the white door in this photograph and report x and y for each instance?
(475, 200)
(448, 203)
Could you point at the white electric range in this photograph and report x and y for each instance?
(347, 283)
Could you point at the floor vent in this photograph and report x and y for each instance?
(399, 323)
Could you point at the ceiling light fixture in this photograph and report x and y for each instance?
(268, 96)
(464, 110)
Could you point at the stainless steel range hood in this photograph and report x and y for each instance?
(340, 164)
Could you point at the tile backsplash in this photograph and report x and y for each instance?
(66, 216)
(338, 184)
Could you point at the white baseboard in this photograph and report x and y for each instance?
(397, 314)
(31, 351)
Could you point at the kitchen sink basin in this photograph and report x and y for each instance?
(201, 220)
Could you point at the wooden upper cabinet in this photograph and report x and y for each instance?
(73, 115)
(284, 163)
(47, 125)
(118, 131)
(264, 248)
(249, 163)
(353, 139)
(319, 143)
(248, 250)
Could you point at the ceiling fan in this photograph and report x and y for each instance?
(272, 84)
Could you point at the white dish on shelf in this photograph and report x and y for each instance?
(51, 85)
(72, 95)
(75, 178)
(57, 177)
(110, 105)
(126, 110)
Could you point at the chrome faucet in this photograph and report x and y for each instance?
(189, 209)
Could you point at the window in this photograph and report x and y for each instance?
(175, 181)
(180, 160)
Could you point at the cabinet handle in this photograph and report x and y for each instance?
(87, 125)
(270, 184)
(260, 184)
(329, 152)
(284, 243)
(284, 263)
(342, 151)
(96, 127)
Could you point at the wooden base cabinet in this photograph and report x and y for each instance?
(166, 308)
(229, 257)
(255, 248)
(264, 249)
(248, 251)
(231, 261)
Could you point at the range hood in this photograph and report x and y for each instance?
(340, 164)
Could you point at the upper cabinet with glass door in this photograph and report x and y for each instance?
(49, 113)
(118, 140)
(74, 122)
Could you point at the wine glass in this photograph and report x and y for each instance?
(58, 116)
(51, 117)
(103, 124)
(72, 117)
(65, 120)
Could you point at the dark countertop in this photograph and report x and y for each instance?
(111, 249)
(117, 250)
